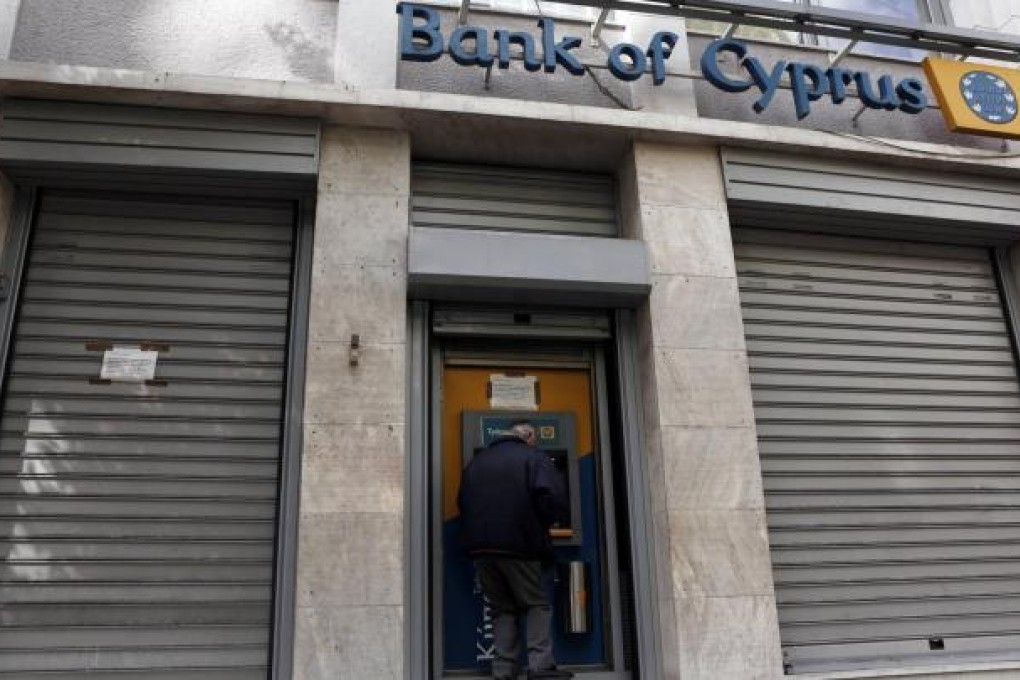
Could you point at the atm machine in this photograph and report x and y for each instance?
(578, 598)
(556, 439)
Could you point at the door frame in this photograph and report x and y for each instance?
(423, 648)
(12, 269)
(288, 511)
(594, 364)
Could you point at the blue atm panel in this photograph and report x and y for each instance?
(467, 635)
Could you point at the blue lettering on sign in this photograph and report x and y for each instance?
(630, 69)
(808, 83)
(421, 39)
(429, 44)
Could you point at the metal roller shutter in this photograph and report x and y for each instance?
(888, 416)
(822, 194)
(138, 519)
(89, 145)
(511, 199)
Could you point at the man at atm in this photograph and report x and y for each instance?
(509, 498)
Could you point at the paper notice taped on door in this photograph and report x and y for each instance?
(513, 392)
(129, 364)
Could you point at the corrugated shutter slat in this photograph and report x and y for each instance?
(888, 417)
(140, 518)
(508, 199)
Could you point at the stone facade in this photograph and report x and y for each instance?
(350, 592)
(717, 614)
(8, 20)
(289, 40)
(357, 65)
(716, 603)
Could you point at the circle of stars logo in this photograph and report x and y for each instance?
(989, 96)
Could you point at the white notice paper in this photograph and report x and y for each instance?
(129, 364)
(513, 392)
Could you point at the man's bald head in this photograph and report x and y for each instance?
(525, 431)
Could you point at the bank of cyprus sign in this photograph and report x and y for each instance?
(976, 98)
(422, 39)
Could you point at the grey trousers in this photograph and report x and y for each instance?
(517, 588)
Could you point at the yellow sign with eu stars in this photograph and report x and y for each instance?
(976, 98)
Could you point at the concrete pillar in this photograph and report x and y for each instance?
(716, 598)
(8, 22)
(366, 45)
(350, 587)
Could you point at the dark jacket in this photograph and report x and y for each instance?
(509, 497)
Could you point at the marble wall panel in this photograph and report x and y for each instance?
(663, 556)
(348, 558)
(354, 468)
(722, 554)
(669, 639)
(688, 241)
(371, 392)
(696, 312)
(361, 229)
(729, 638)
(349, 643)
(703, 388)
(684, 176)
(365, 300)
(712, 468)
(364, 161)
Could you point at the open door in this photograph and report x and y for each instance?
(482, 389)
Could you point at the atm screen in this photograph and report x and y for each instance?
(559, 460)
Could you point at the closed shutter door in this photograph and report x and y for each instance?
(512, 199)
(888, 417)
(138, 518)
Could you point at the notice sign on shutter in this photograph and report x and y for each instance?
(513, 392)
(129, 364)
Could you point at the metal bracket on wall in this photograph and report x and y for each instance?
(857, 116)
(826, 21)
(354, 353)
(730, 30)
(835, 59)
(462, 13)
(600, 23)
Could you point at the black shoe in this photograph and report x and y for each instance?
(550, 673)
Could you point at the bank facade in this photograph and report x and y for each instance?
(273, 271)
